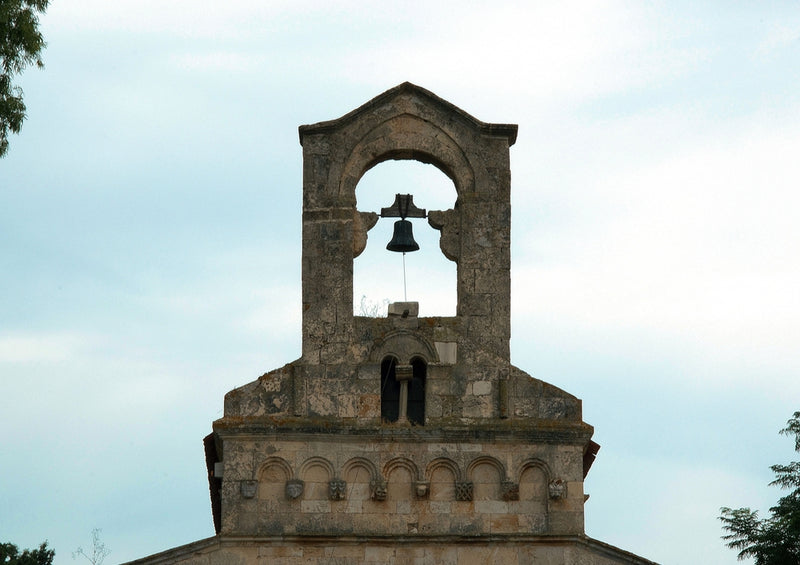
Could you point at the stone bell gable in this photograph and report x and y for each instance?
(399, 438)
(406, 122)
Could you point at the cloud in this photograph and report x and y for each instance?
(539, 52)
(682, 502)
(526, 60)
(218, 61)
(654, 264)
(233, 20)
(43, 348)
(692, 243)
(780, 37)
(182, 18)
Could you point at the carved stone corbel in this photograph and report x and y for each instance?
(509, 490)
(557, 489)
(464, 490)
(362, 223)
(294, 488)
(448, 223)
(248, 488)
(337, 489)
(379, 489)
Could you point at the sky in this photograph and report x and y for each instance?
(150, 242)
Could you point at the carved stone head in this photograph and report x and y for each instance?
(557, 489)
(379, 489)
(294, 488)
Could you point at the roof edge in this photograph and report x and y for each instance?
(508, 131)
(222, 541)
(170, 555)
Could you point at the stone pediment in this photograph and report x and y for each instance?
(402, 95)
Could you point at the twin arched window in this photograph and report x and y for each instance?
(403, 391)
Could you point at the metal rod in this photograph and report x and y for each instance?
(405, 296)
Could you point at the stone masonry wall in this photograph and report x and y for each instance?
(340, 484)
(465, 384)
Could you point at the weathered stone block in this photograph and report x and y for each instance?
(481, 388)
(315, 506)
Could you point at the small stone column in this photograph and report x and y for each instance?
(403, 373)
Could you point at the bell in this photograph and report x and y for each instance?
(403, 239)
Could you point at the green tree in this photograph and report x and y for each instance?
(774, 540)
(21, 44)
(10, 555)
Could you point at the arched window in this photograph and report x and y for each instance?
(390, 390)
(403, 391)
(416, 392)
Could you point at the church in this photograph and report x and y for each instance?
(401, 439)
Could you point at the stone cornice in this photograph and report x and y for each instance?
(499, 431)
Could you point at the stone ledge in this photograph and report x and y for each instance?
(539, 431)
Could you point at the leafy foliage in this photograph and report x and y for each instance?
(10, 555)
(774, 540)
(21, 44)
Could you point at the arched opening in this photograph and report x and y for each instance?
(390, 390)
(430, 278)
(403, 391)
(416, 392)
